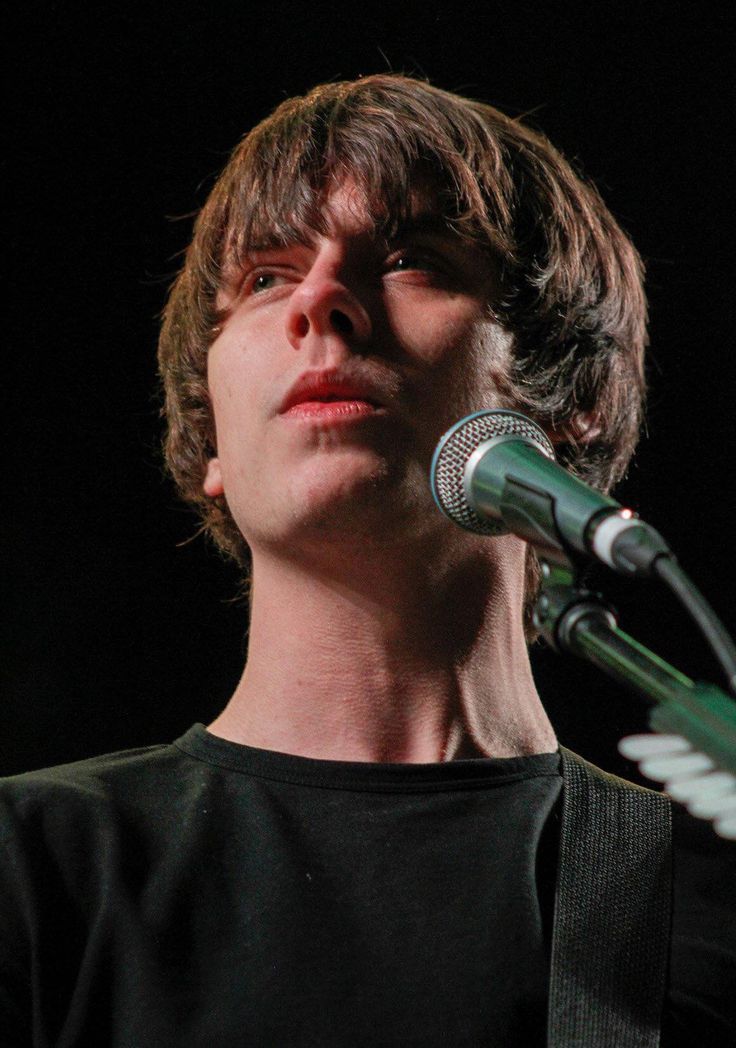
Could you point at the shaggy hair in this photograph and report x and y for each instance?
(571, 280)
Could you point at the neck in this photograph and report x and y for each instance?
(376, 658)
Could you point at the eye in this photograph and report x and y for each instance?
(259, 282)
(410, 260)
(261, 277)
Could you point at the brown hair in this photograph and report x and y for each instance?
(571, 280)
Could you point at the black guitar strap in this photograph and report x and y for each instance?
(611, 929)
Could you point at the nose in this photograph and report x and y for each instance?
(324, 304)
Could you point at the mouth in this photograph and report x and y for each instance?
(324, 397)
(332, 409)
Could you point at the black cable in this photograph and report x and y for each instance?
(721, 644)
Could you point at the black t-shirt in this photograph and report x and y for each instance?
(207, 893)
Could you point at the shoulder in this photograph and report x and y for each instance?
(703, 947)
(704, 902)
(88, 770)
(585, 782)
(704, 874)
(698, 872)
(67, 800)
(75, 831)
(86, 779)
(573, 764)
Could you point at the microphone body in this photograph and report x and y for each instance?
(494, 472)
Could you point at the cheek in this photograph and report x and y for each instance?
(230, 385)
(427, 334)
(438, 331)
(237, 379)
(467, 359)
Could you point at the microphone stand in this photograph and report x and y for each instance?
(572, 619)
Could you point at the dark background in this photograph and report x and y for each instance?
(118, 631)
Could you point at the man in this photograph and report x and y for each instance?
(362, 849)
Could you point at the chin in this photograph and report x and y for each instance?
(355, 493)
(333, 483)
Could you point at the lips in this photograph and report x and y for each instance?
(328, 394)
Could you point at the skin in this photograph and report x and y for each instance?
(379, 630)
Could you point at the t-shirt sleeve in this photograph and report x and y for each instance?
(15, 966)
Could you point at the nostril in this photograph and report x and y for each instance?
(341, 322)
(302, 326)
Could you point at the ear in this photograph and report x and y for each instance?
(582, 428)
(212, 484)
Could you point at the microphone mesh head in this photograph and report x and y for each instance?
(452, 454)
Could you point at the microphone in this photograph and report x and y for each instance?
(495, 472)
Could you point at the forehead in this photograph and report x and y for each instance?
(346, 209)
(395, 159)
(343, 207)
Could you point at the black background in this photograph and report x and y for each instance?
(118, 631)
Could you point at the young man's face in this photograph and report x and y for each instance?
(341, 363)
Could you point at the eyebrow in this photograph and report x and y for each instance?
(274, 241)
(425, 222)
